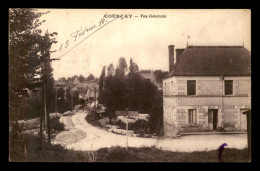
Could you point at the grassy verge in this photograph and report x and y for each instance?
(39, 151)
(145, 154)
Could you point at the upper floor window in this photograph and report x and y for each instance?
(191, 87)
(228, 87)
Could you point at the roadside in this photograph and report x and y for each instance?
(80, 135)
(97, 138)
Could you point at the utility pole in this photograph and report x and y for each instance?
(126, 129)
(47, 124)
(71, 101)
(95, 99)
(56, 100)
(41, 117)
(89, 101)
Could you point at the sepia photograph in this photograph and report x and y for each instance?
(129, 85)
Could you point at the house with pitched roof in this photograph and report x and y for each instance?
(149, 74)
(208, 89)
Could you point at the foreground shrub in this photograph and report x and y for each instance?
(139, 127)
(56, 124)
(152, 154)
(117, 154)
(93, 119)
(17, 149)
(38, 150)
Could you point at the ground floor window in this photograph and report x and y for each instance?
(192, 116)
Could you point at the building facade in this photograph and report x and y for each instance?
(208, 89)
(149, 74)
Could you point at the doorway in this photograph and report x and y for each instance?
(243, 120)
(213, 119)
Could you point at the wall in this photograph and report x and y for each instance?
(206, 85)
(169, 130)
(209, 92)
(169, 110)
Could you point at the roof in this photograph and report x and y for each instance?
(213, 61)
(59, 82)
(145, 71)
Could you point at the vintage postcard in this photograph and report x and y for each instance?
(129, 85)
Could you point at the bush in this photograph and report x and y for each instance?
(38, 150)
(152, 154)
(139, 127)
(56, 124)
(93, 119)
(116, 153)
(16, 143)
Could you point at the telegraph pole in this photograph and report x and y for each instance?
(47, 120)
(41, 117)
(56, 100)
(95, 99)
(126, 129)
(71, 101)
(89, 101)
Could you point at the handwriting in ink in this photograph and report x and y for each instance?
(220, 151)
(81, 32)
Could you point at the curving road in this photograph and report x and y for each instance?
(98, 138)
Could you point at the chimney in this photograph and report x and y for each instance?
(178, 53)
(171, 57)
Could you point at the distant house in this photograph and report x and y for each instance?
(82, 85)
(208, 89)
(91, 90)
(59, 83)
(73, 90)
(149, 74)
(76, 81)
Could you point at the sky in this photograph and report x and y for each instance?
(88, 44)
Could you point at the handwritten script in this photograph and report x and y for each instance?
(82, 32)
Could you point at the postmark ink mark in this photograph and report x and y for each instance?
(220, 152)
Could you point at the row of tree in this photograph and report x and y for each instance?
(29, 59)
(66, 100)
(124, 87)
(80, 77)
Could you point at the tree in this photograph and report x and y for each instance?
(121, 68)
(26, 47)
(133, 67)
(60, 100)
(75, 98)
(90, 77)
(110, 70)
(81, 78)
(82, 103)
(135, 93)
(68, 99)
(101, 80)
(159, 75)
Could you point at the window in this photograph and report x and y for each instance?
(192, 116)
(191, 87)
(228, 87)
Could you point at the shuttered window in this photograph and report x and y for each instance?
(228, 87)
(192, 116)
(191, 87)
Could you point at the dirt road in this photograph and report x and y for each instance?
(98, 138)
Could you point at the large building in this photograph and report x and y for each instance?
(149, 74)
(208, 89)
